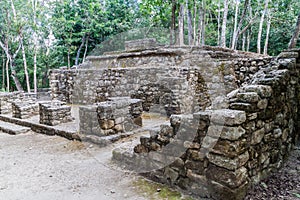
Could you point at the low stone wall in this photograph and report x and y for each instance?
(111, 117)
(54, 112)
(219, 154)
(6, 99)
(24, 109)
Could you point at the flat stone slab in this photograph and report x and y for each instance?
(13, 129)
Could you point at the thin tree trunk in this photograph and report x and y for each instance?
(173, 22)
(237, 2)
(238, 29)
(14, 76)
(249, 34)
(261, 27)
(219, 22)
(3, 73)
(69, 62)
(195, 22)
(293, 41)
(35, 84)
(224, 24)
(79, 49)
(252, 21)
(11, 59)
(244, 42)
(86, 48)
(25, 64)
(200, 26)
(189, 22)
(7, 74)
(203, 22)
(181, 25)
(23, 54)
(267, 34)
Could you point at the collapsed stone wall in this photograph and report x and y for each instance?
(24, 109)
(53, 113)
(219, 154)
(7, 98)
(118, 115)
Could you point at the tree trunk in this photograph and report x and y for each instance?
(224, 24)
(11, 59)
(219, 22)
(293, 41)
(7, 74)
(25, 64)
(35, 84)
(267, 34)
(173, 24)
(195, 23)
(203, 23)
(249, 39)
(3, 73)
(237, 32)
(244, 42)
(237, 2)
(261, 27)
(14, 76)
(69, 61)
(79, 49)
(189, 22)
(86, 48)
(181, 25)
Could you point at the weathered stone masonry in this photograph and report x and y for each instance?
(233, 115)
(221, 160)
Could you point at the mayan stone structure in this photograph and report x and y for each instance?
(233, 116)
(117, 115)
(54, 112)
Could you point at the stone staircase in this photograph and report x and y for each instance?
(13, 129)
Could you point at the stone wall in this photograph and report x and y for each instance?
(187, 77)
(6, 99)
(220, 153)
(245, 68)
(115, 116)
(24, 109)
(53, 113)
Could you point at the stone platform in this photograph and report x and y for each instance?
(13, 129)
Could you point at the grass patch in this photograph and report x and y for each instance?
(156, 191)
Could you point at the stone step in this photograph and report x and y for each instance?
(12, 129)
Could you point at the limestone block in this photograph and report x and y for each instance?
(263, 91)
(228, 163)
(257, 136)
(229, 148)
(248, 97)
(228, 117)
(231, 179)
(226, 132)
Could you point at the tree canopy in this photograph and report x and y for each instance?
(38, 35)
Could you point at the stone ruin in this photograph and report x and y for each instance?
(233, 116)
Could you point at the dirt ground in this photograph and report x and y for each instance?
(282, 185)
(40, 167)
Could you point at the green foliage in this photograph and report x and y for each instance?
(63, 26)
